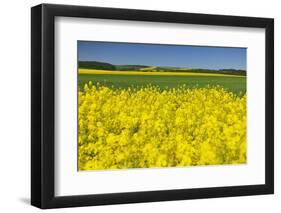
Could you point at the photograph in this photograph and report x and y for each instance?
(146, 105)
(138, 105)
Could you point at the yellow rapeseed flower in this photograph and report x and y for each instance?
(149, 127)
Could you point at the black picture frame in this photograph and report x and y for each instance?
(43, 102)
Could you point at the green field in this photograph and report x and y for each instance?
(234, 84)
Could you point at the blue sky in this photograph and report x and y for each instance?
(163, 55)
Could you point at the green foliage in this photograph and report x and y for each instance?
(189, 70)
(96, 65)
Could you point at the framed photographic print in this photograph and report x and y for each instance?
(140, 106)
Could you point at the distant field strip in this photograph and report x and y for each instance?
(108, 72)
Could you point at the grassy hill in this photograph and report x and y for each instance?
(95, 65)
(145, 68)
(130, 67)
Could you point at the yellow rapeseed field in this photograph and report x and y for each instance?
(149, 127)
(118, 72)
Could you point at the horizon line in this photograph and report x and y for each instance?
(158, 65)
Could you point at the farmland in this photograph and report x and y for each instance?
(149, 127)
(125, 79)
(131, 119)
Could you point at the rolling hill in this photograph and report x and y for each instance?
(146, 68)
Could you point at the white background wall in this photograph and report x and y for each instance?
(15, 105)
